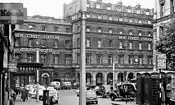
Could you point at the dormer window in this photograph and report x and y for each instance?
(140, 33)
(147, 13)
(110, 17)
(99, 29)
(130, 20)
(88, 15)
(98, 6)
(43, 28)
(140, 22)
(99, 17)
(108, 8)
(138, 11)
(120, 32)
(110, 31)
(130, 33)
(88, 29)
(32, 27)
(129, 10)
(149, 34)
(120, 19)
(149, 22)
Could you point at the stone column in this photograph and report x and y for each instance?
(94, 78)
(105, 78)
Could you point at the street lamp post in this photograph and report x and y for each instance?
(37, 74)
(113, 84)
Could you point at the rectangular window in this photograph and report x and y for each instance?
(43, 28)
(121, 59)
(131, 59)
(162, 10)
(110, 31)
(99, 30)
(99, 17)
(67, 43)
(30, 42)
(30, 58)
(17, 42)
(68, 59)
(130, 45)
(88, 58)
(120, 45)
(56, 59)
(110, 59)
(150, 62)
(87, 42)
(140, 33)
(149, 46)
(99, 59)
(43, 58)
(140, 60)
(55, 43)
(99, 43)
(78, 58)
(110, 43)
(110, 18)
(88, 29)
(140, 46)
(55, 28)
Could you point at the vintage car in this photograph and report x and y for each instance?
(66, 85)
(119, 92)
(56, 85)
(52, 93)
(91, 96)
(101, 91)
(87, 88)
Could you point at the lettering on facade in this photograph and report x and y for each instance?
(146, 39)
(4, 12)
(133, 38)
(122, 37)
(38, 36)
(41, 50)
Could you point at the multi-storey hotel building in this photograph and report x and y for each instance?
(53, 38)
(114, 33)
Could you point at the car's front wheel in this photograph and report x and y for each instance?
(112, 98)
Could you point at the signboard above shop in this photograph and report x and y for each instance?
(12, 13)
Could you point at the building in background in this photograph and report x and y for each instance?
(114, 32)
(53, 37)
(164, 12)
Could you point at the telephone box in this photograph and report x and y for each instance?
(155, 89)
(139, 86)
(146, 88)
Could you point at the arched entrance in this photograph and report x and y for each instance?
(109, 78)
(88, 78)
(45, 78)
(99, 78)
(56, 77)
(120, 77)
(130, 76)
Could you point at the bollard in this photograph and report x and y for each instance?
(46, 97)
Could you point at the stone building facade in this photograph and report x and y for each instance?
(164, 13)
(114, 33)
(53, 38)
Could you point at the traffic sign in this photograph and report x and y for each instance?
(161, 61)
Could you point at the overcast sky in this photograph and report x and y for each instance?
(54, 8)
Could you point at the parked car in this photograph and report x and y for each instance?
(120, 93)
(56, 85)
(100, 91)
(66, 85)
(52, 93)
(92, 87)
(91, 96)
(32, 92)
